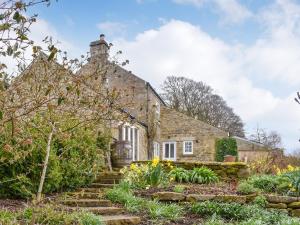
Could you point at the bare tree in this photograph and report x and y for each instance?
(271, 139)
(197, 100)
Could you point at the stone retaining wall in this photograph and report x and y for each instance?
(285, 203)
(229, 170)
(290, 205)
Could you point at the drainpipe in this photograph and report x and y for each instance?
(147, 116)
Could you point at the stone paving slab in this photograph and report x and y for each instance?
(121, 220)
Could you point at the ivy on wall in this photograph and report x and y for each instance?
(225, 146)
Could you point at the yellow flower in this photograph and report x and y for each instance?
(278, 171)
(155, 161)
(172, 178)
(290, 168)
(133, 167)
(290, 185)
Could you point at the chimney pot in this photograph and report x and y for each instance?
(102, 37)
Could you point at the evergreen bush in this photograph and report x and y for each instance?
(225, 146)
(74, 160)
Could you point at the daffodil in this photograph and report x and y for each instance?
(133, 167)
(290, 168)
(155, 161)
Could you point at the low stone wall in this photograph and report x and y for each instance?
(288, 204)
(174, 196)
(225, 170)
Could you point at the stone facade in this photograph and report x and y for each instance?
(177, 127)
(166, 133)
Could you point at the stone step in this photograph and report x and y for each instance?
(99, 185)
(121, 220)
(99, 210)
(112, 175)
(87, 195)
(90, 189)
(108, 180)
(87, 202)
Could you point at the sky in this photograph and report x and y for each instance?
(248, 51)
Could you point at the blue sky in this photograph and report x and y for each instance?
(247, 50)
(78, 21)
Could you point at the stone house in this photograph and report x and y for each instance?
(152, 129)
(156, 131)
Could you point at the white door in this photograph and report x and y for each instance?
(169, 149)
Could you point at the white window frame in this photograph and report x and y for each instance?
(184, 149)
(164, 146)
(156, 149)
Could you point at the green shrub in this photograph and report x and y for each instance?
(180, 174)
(20, 168)
(179, 188)
(225, 146)
(203, 175)
(260, 200)
(266, 183)
(246, 188)
(294, 181)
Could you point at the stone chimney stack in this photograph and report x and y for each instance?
(99, 49)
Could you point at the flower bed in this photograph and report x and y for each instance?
(228, 170)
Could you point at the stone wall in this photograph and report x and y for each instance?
(178, 127)
(253, 155)
(232, 170)
(249, 151)
(288, 204)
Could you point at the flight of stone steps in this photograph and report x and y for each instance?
(91, 199)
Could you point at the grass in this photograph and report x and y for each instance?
(153, 208)
(220, 213)
(179, 188)
(49, 215)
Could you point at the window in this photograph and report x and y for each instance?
(156, 149)
(187, 147)
(169, 152)
(130, 134)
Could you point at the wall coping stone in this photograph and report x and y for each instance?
(281, 199)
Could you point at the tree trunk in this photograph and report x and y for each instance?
(108, 153)
(39, 194)
(108, 158)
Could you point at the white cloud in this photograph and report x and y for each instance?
(38, 31)
(182, 49)
(276, 54)
(231, 11)
(111, 28)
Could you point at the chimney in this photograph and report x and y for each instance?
(99, 49)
